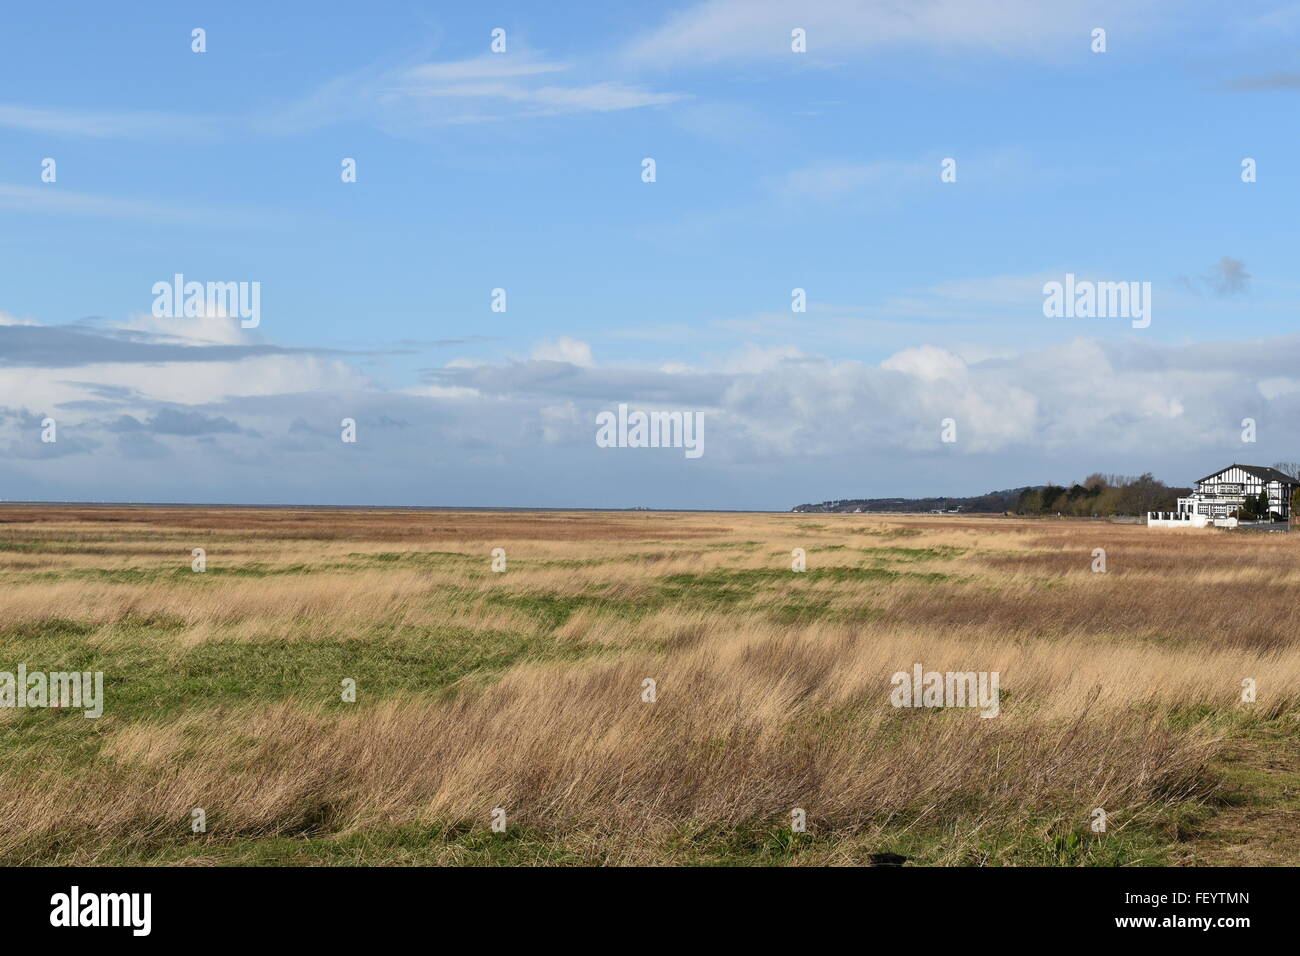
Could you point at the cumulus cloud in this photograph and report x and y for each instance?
(138, 365)
(69, 346)
(565, 349)
(782, 425)
(176, 421)
(211, 328)
(1084, 394)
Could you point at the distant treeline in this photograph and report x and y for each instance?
(1100, 495)
(995, 502)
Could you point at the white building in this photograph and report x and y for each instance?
(1218, 496)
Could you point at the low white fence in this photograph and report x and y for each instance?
(1176, 519)
(1185, 519)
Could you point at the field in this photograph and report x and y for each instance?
(526, 690)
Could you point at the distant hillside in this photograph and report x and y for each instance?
(995, 502)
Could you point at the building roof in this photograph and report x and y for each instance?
(1259, 471)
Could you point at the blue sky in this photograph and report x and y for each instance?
(522, 170)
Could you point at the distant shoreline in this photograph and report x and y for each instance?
(174, 505)
(522, 509)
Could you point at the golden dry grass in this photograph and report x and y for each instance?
(523, 690)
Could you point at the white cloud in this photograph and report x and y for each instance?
(489, 65)
(453, 393)
(208, 329)
(1278, 386)
(928, 363)
(141, 383)
(750, 358)
(1086, 396)
(489, 87)
(461, 92)
(482, 89)
(185, 383)
(565, 349)
(521, 432)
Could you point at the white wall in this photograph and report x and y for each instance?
(1172, 519)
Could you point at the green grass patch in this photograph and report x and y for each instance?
(148, 676)
(722, 586)
(911, 555)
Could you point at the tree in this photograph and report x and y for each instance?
(1052, 495)
(1101, 495)
(1144, 493)
(1030, 502)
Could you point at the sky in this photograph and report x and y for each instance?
(923, 362)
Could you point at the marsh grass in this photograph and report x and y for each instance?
(522, 690)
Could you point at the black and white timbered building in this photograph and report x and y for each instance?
(1219, 495)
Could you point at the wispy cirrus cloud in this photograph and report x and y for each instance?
(71, 346)
(56, 200)
(108, 124)
(488, 66)
(1266, 82)
(833, 181)
(728, 30)
(481, 89)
